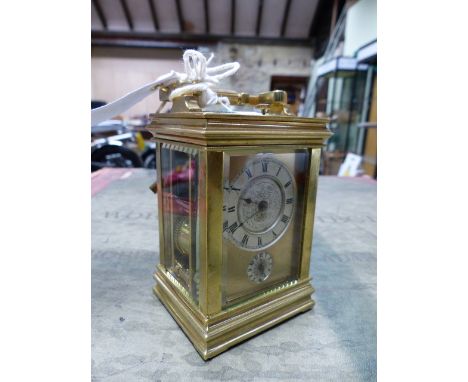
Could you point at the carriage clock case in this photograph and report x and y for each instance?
(236, 198)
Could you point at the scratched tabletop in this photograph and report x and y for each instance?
(134, 338)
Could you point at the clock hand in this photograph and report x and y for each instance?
(250, 217)
(231, 188)
(242, 223)
(248, 200)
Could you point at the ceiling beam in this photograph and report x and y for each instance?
(127, 14)
(180, 17)
(206, 8)
(132, 43)
(285, 18)
(334, 15)
(233, 17)
(154, 15)
(322, 9)
(143, 39)
(102, 17)
(259, 17)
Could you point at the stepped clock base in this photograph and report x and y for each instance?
(214, 335)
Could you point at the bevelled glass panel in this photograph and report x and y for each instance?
(179, 181)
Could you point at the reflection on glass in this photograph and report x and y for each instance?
(179, 167)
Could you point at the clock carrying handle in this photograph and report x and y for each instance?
(274, 102)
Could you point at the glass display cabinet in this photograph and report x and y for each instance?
(342, 94)
(236, 195)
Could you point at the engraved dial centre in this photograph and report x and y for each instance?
(260, 204)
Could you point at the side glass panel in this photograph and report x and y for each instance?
(262, 221)
(179, 178)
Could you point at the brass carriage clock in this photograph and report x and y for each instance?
(236, 195)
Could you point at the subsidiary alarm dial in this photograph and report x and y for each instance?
(260, 267)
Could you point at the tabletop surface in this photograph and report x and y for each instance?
(134, 338)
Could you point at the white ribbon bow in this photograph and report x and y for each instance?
(198, 76)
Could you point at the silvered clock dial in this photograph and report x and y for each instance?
(259, 204)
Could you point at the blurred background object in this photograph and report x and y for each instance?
(322, 52)
(121, 143)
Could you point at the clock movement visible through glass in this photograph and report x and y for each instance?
(179, 180)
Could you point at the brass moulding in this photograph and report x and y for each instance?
(216, 129)
(213, 335)
(226, 309)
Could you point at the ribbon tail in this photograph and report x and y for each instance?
(124, 103)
